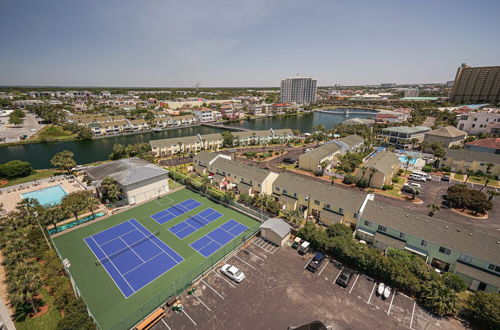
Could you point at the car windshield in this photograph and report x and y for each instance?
(238, 273)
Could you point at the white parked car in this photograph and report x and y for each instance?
(417, 178)
(413, 184)
(380, 289)
(387, 291)
(233, 273)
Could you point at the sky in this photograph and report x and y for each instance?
(214, 43)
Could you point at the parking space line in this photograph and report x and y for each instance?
(307, 263)
(204, 304)
(212, 289)
(405, 296)
(371, 294)
(326, 264)
(189, 317)
(352, 287)
(245, 262)
(256, 256)
(165, 324)
(336, 277)
(390, 305)
(275, 248)
(412, 314)
(231, 284)
(259, 246)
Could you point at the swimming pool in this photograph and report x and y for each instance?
(47, 196)
(404, 159)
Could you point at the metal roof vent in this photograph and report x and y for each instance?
(470, 234)
(447, 227)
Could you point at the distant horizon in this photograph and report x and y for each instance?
(242, 43)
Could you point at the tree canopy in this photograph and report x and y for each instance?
(63, 160)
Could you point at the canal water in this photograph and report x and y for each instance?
(39, 154)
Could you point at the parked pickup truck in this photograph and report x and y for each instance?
(316, 262)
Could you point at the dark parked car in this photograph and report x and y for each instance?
(345, 277)
(314, 264)
(288, 160)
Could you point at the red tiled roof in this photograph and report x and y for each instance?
(491, 143)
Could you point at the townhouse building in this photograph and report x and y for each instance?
(490, 145)
(448, 136)
(188, 144)
(461, 160)
(204, 159)
(228, 174)
(183, 120)
(471, 254)
(327, 203)
(379, 169)
(263, 137)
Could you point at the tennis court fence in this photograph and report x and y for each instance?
(174, 289)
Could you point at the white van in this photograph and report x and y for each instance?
(417, 177)
(422, 174)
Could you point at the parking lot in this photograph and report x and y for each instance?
(279, 292)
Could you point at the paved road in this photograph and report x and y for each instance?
(12, 134)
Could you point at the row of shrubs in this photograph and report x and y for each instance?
(406, 272)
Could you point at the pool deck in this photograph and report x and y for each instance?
(12, 195)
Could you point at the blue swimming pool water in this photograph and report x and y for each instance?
(404, 159)
(47, 196)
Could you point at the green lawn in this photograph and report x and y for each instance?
(38, 175)
(45, 322)
(53, 133)
(106, 302)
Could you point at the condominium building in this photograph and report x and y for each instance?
(411, 92)
(402, 136)
(469, 253)
(190, 144)
(476, 84)
(298, 89)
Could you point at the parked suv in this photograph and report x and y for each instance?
(314, 264)
(345, 277)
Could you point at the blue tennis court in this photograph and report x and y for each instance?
(132, 255)
(218, 237)
(174, 211)
(197, 221)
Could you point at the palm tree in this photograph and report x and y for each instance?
(363, 170)
(408, 160)
(489, 166)
(433, 208)
(54, 215)
(205, 183)
(92, 204)
(468, 173)
(424, 145)
(372, 173)
(413, 142)
(323, 165)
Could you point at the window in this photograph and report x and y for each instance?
(327, 206)
(258, 185)
(295, 195)
(473, 125)
(465, 257)
(444, 250)
(368, 223)
(494, 268)
(423, 243)
(475, 119)
(382, 228)
(402, 235)
(316, 202)
(277, 188)
(341, 210)
(285, 191)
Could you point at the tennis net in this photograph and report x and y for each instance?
(129, 247)
(200, 220)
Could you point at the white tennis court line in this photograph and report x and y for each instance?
(203, 304)
(352, 287)
(176, 263)
(231, 284)
(165, 323)
(142, 264)
(189, 317)
(212, 289)
(245, 262)
(130, 248)
(114, 238)
(114, 266)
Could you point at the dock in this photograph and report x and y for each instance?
(222, 126)
(348, 112)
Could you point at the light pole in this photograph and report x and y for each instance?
(43, 231)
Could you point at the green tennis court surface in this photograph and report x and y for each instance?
(106, 301)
